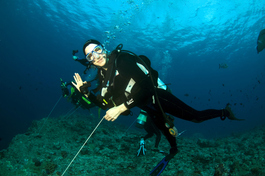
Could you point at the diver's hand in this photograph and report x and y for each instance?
(113, 113)
(75, 57)
(78, 81)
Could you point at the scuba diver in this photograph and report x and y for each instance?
(127, 81)
(261, 41)
(143, 121)
(81, 61)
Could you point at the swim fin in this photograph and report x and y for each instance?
(159, 167)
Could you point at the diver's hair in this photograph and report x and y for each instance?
(90, 41)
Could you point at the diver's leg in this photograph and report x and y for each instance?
(159, 123)
(178, 108)
(171, 139)
(148, 135)
(157, 133)
(148, 128)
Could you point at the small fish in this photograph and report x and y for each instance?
(223, 65)
(186, 95)
(181, 133)
(261, 41)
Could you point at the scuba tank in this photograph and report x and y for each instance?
(141, 120)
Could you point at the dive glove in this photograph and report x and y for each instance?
(84, 88)
(75, 57)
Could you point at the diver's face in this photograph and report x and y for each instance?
(99, 61)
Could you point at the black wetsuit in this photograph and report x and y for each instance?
(126, 82)
(152, 129)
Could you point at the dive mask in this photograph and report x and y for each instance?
(94, 54)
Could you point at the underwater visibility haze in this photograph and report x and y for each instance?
(204, 50)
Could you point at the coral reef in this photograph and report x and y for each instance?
(111, 151)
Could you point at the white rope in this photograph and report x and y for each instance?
(50, 113)
(72, 112)
(82, 147)
(131, 125)
(66, 115)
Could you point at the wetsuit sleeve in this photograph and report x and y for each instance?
(82, 61)
(139, 83)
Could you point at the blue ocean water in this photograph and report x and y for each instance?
(186, 41)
